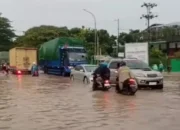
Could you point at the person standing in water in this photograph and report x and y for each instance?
(161, 67)
(34, 68)
(155, 67)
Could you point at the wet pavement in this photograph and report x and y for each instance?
(56, 103)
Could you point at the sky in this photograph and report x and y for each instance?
(25, 14)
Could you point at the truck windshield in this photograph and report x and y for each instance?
(74, 56)
(79, 50)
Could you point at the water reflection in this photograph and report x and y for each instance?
(53, 103)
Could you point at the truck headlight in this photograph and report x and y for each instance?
(70, 67)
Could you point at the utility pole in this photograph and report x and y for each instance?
(117, 36)
(95, 33)
(149, 16)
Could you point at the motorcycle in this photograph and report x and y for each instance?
(104, 85)
(35, 73)
(130, 87)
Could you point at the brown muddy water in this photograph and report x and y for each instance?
(56, 103)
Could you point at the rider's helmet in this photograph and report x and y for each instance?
(104, 64)
(34, 63)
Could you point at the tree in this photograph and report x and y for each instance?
(156, 53)
(87, 35)
(132, 36)
(6, 34)
(37, 35)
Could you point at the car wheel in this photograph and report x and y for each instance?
(139, 87)
(72, 78)
(94, 87)
(64, 73)
(85, 80)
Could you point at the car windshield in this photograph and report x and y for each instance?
(132, 64)
(90, 68)
(136, 64)
(74, 56)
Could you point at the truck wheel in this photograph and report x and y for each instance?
(64, 73)
(45, 70)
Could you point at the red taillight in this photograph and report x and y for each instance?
(132, 81)
(106, 81)
(19, 72)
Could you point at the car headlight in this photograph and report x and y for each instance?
(160, 75)
(139, 75)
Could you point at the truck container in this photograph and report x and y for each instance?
(59, 55)
(21, 59)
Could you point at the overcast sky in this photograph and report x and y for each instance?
(28, 13)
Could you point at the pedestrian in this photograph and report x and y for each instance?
(161, 67)
(4, 67)
(155, 67)
(34, 69)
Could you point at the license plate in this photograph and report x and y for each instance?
(152, 83)
(106, 85)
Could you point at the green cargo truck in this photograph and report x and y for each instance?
(57, 56)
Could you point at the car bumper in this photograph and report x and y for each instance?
(149, 81)
(113, 80)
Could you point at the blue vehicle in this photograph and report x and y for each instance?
(60, 55)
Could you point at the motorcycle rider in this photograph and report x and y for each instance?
(124, 73)
(101, 73)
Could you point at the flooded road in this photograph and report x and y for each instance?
(56, 103)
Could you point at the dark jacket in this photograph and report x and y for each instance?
(104, 72)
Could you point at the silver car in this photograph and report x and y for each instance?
(83, 73)
(145, 76)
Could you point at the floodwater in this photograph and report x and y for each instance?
(56, 103)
